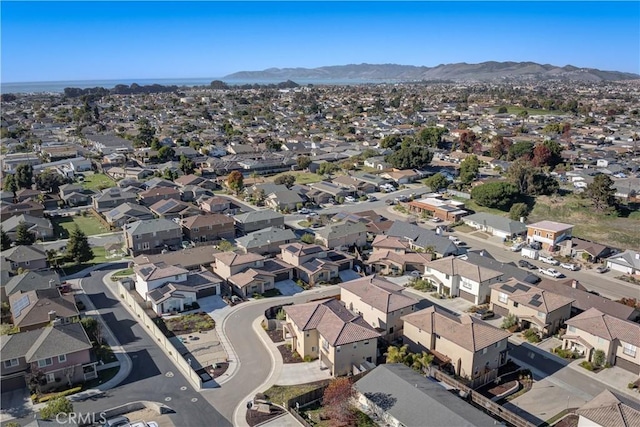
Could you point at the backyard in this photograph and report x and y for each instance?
(89, 225)
(99, 257)
(189, 323)
(97, 182)
(301, 177)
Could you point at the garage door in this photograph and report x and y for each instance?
(627, 365)
(206, 292)
(343, 267)
(467, 296)
(500, 311)
(13, 383)
(282, 276)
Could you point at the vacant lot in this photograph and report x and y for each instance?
(190, 323)
(97, 181)
(301, 177)
(88, 224)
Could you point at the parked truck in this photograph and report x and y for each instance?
(528, 252)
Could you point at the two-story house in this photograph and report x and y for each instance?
(153, 276)
(249, 273)
(327, 330)
(75, 194)
(27, 257)
(457, 277)
(257, 220)
(314, 264)
(549, 233)
(111, 198)
(41, 228)
(344, 234)
(534, 308)
(215, 204)
(56, 355)
(127, 213)
(266, 241)
(208, 228)
(29, 281)
(173, 209)
(593, 330)
(393, 256)
(380, 302)
(151, 236)
(471, 346)
(29, 207)
(156, 194)
(38, 308)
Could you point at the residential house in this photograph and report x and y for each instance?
(157, 194)
(190, 259)
(549, 233)
(394, 256)
(265, 189)
(593, 330)
(38, 308)
(380, 302)
(496, 225)
(173, 209)
(401, 177)
(192, 179)
(434, 205)
(127, 213)
(252, 281)
(584, 300)
(29, 281)
(107, 144)
(61, 353)
(313, 263)
(400, 396)
(191, 193)
(325, 329)
(585, 250)
(153, 276)
(627, 262)
(28, 207)
(472, 346)
(208, 228)
(215, 204)
(344, 234)
(257, 220)
(424, 239)
(171, 298)
(266, 241)
(27, 257)
(375, 180)
(111, 198)
(75, 195)
(151, 236)
(355, 184)
(376, 224)
(609, 410)
(226, 264)
(40, 227)
(28, 194)
(286, 200)
(376, 162)
(535, 308)
(333, 191)
(510, 270)
(457, 277)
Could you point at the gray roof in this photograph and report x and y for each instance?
(484, 259)
(150, 225)
(266, 236)
(628, 258)
(260, 215)
(45, 342)
(31, 280)
(10, 224)
(128, 210)
(424, 238)
(497, 222)
(415, 400)
(341, 229)
(24, 253)
(114, 193)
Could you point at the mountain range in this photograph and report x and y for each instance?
(485, 71)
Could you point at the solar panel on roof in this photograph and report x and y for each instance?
(535, 303)
(536, 297)
(508, 288)
(292, 249)
(20, 305)
(521, 287)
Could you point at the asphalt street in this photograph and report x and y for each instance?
(153, 376)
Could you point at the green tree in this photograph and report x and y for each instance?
(23, 235)
(285, 179)
(54, 407)
(469, 169)
(499, 195)
(327, 168)
(431, 136)
(437, 182)
(410, 156)
(225, 246)
(50, 181)
(601, 193)
(303, 162)
(520, 149)
(186, 165)
(146, 133)
(273, 145)
(307, 238)
(599, 357)
(78, 248)
(166, 153)
(519, 210)
(503, 110)
(390, 141)
(5, 241)
(235, 181)
(397, 354)
(10, 184)
(422, 361)
(24, 175)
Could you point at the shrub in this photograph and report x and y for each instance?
(49, 397)
(281, 315)
(531, 335)
(587, 365)
(308, 358)
(598, 358)
(59, 405)
(631, 386)
(509, 321)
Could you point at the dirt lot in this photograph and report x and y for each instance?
(289, 356)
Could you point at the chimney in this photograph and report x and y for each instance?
(637, 255)
(574, 284)
(52, 315)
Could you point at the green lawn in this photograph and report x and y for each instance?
(301, 177)
(99, 257)
(532, 111)
(282, 393)
(471, 204)
(90, 225)
(97, 181)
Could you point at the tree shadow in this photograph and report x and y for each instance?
(384, 401)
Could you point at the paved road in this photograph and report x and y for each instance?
(97, 240)
(153, 376)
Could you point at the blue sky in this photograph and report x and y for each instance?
(117, 40)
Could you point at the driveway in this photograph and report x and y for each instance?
(302, 373)
(347, 275)
(544, 400)
(288, 287)
(15, 404)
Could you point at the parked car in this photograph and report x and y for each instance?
(436, 219)
(526, 264)
(551, 272)
(372, 198)
(116, 422)
(350, 199)
(485, 314)
(535, 245)
(516, 247)
(390, 202)
(569, 266)
(304, 211)
(527, 252)
(186, 244)
(602, 269)
(549, 260)
(311, 213)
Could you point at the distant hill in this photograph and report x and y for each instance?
(485, 71)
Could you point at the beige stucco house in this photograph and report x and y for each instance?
(380, 302)
(594, 330)
(472, 346)
(342, 341)
(534, 307)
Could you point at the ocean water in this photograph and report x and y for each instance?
(59, 86)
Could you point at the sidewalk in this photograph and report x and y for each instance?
(615, 378)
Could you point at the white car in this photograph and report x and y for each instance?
(517, 247)
(311, 213)
(569, 266)
(350, 199)
(550, 272)
(549, 260)
(436, 219)
(303, 211)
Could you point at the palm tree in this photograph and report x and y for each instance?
(397, 354)
(422, 362)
